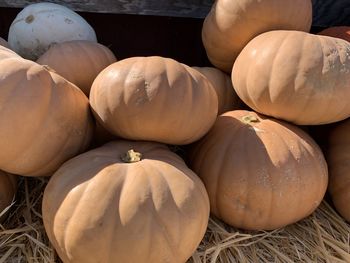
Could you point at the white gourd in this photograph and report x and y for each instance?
(38, 26)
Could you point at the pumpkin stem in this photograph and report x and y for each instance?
(248, 119)
(131, 156)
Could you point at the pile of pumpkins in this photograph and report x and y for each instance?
(101, 128)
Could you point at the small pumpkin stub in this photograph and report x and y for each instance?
(249, 119)
(131, 156)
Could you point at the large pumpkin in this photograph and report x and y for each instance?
(8, 188)
(125, 202)
(342, 32)
(338, 157)
(5, 52)
(40, 25)
(295, 76)
(260, 173)
(44, 119)
(154, 99)
(79, 61)
(231, 24)
(227, 97)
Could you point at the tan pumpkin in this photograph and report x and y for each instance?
(230, 25)
(342, 32)
(5, 52)
(78, 61)
(295, 76)
(44, 121)
(8, 188)
(338, 158)
(260, 173)
(227, 97)
(112, 204)
(154, 99)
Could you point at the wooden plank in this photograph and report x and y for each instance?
(325, 12)
(174, 8)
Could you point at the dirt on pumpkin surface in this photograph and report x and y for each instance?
(322, 237)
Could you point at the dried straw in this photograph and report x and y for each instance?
(22, 234)
(322, 237)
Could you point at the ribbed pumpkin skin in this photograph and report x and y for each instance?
(79, 61)
(342, 32)
(97, 208)
(8, 188)
(154, 99)
(230, 25)
(227, 97)
(264, 174)
(45, 119)
(338, 157)
(295, 76)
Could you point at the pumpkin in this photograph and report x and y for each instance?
(342, 32)
(260, 173)
(295, 76)
(7, 53)
(8, 188)
(338, 158)
(79, 61)
(154, 99)
(125, 202)
(4, 43)
(45, 119)
(40, 25)
(227, 97)
(230, 25)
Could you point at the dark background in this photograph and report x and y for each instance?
(141, 35)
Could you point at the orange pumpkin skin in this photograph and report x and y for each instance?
(152, 210)
(78, 61)
(8, 188)
(342, 32)
(260, 173)
(276, 74)
(338, 158)
(227, 97)
(154, 99)
(45, 119)
(230, 25)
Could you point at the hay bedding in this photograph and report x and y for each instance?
(322, 237)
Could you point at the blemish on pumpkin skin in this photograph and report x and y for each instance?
(29, 19)
(68, 21)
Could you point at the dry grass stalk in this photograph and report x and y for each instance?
(22, 234)
(322, 237)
